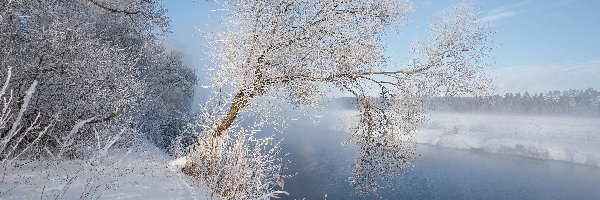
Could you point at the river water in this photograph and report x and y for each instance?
(322, 167)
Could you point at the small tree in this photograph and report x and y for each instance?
(300, 52)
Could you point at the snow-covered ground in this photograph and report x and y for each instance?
(140, 173)
(561, 138)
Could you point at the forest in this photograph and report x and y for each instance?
(566, 102)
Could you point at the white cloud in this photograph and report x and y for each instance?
(503, 9)
(503, 12)
(490, 18)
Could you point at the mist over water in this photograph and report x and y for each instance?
(323, 166)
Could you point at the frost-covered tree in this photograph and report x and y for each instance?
(93, 59)
(79, 78)
(166, 109)
(300, 52)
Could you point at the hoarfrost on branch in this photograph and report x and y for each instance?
(300, 52)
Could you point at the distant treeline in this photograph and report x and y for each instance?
(571, 102)
(578, 102)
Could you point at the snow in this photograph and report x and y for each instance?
(177, 164)
(146, 172)
(559, 138)
(137, 173)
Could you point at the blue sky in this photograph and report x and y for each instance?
(541, 45)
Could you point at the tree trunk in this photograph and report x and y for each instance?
(239, 101)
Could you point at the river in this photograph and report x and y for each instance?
(322, 167)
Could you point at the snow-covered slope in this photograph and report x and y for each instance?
(560, 138)
(139, 173)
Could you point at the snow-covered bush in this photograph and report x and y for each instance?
(21, 147)
(14, 132)
(165, 113)
(238, 166)
(241, 164)
(19, 136)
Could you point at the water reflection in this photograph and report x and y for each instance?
(323, 167)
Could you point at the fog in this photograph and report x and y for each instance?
(460, 155)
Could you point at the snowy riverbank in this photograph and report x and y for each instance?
(560, 138)
(140, 173)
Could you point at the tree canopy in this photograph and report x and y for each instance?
(299, 52)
